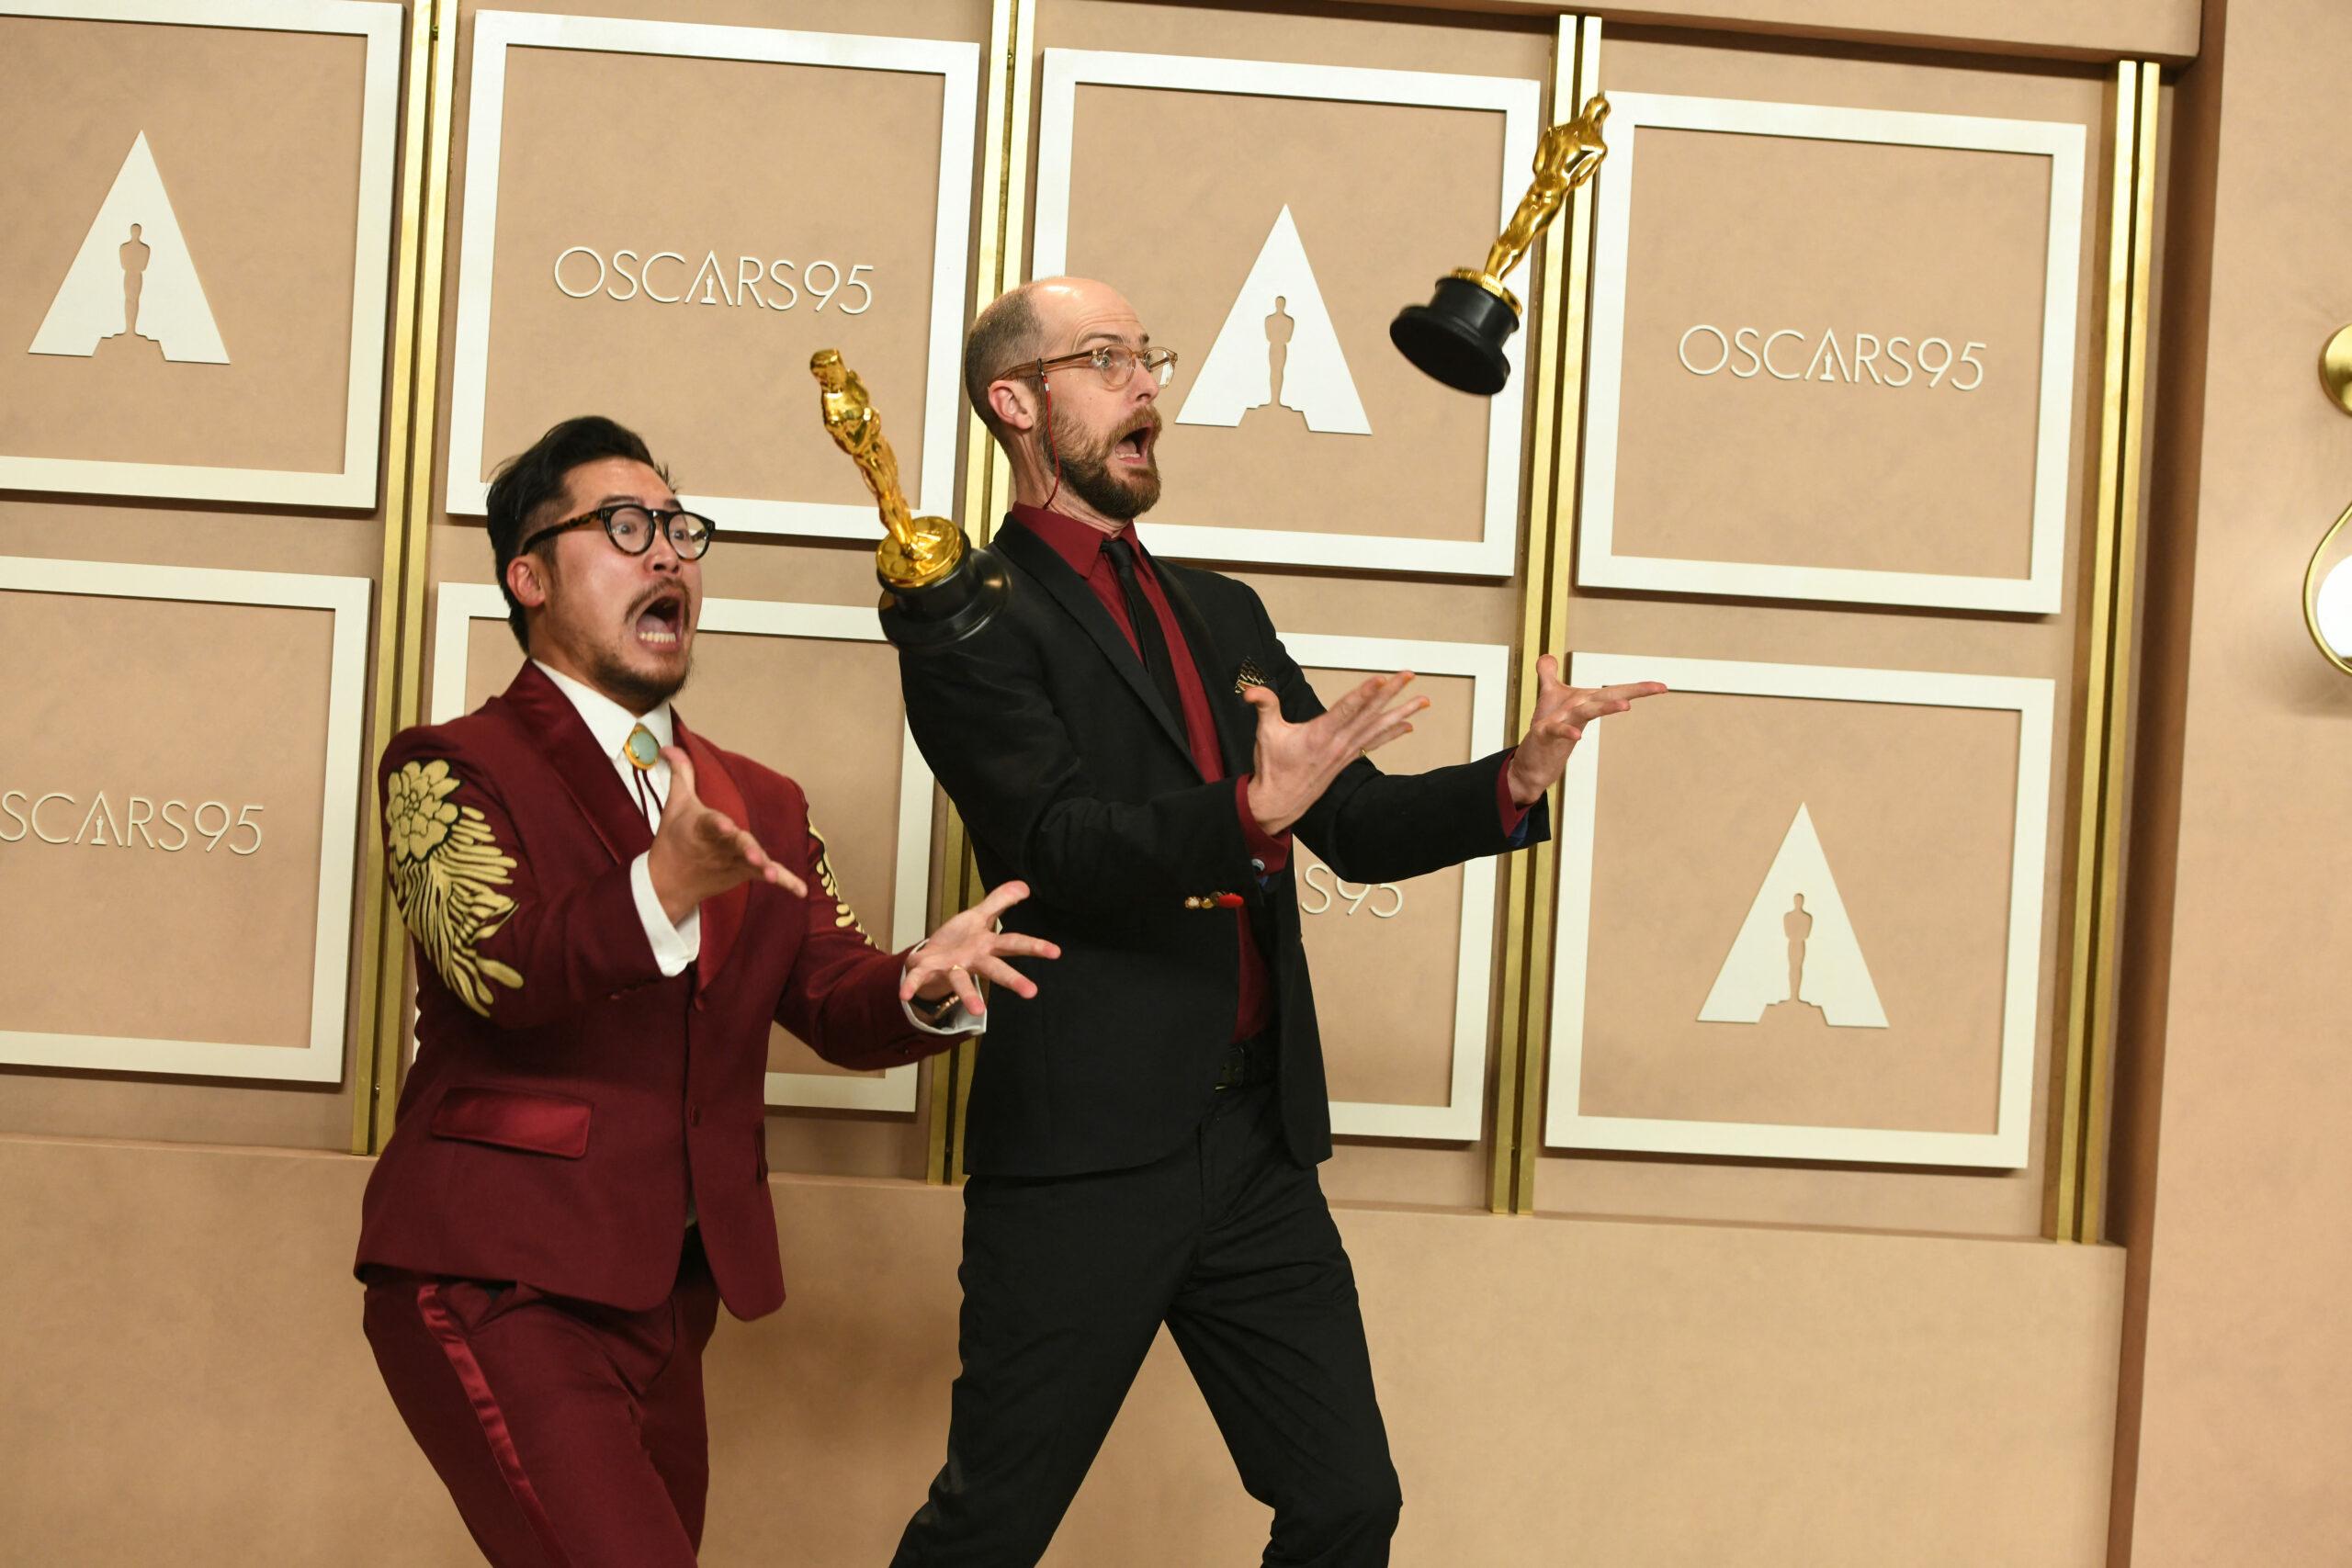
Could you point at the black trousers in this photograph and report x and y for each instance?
(1067, 1280)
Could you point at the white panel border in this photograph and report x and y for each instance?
(1598, 564)
(346, 598)
(459, 605)
(1488, 667)
(355, 486)
(1519, 101)
(2005, 1149)
(957, 65)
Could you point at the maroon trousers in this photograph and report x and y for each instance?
(569, 1434)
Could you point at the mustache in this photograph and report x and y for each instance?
(655, 596)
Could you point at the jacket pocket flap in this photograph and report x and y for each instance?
(514, 1118)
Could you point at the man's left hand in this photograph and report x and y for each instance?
(969, 947)
(1562, 711)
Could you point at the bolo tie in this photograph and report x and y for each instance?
(643, 752)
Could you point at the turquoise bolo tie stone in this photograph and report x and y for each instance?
(641, 749)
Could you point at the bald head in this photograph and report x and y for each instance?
(1002, 336)
(1036, 321)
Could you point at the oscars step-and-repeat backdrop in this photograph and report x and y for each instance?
(195, 295)
(1827, 471)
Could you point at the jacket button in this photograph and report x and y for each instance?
(693, 1116)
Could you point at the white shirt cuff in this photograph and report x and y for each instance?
(961, 1021)
(674, 946)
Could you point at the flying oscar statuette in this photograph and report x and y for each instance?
(1458, 336)
(937, 588)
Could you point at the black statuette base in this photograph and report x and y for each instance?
(1458, 336)
(937, 614)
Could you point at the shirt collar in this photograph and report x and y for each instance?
(606, 720)
(1080, 544)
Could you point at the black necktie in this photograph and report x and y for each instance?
(1149, 639)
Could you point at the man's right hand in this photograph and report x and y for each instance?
(699, 852)
(1296, 762)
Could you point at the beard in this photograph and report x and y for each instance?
(1086, 469)
(643, 686)
(640, 691)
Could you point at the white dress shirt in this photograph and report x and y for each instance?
(677, 944)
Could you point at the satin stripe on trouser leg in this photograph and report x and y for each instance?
(569, 1435)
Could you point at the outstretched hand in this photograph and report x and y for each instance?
(1561, 712)
(699, 851)
(1296, 762)
(969, 947)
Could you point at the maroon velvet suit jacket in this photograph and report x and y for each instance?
(564, 1094)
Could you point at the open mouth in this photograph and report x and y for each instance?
(660, 622)
(1135, 447)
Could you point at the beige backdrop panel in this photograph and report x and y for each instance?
(2234, 1085)
(2010, 1203)
(170, 703)
(1384, 37)
(1636, 1395)
(266, 122)
(1823, 238)
(1385, 983)
(1914, 809)
(1366, 1055)
(1355, 177)
(735, 161)
(256, 137)
(827, 716)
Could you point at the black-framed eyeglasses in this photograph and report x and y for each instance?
(1115, 362)
(631, 528)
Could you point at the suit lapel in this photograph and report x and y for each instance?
(722, 916)
(1237, 722)
(1070, 591)
(554, 729)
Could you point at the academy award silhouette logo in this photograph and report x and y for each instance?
(1278, 348)
(133, 277)
(1796, 950)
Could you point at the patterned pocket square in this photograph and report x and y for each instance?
(1248, 675)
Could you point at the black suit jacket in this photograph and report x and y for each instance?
(1073, 776)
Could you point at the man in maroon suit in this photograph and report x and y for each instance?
(608, 913)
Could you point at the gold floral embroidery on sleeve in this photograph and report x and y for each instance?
(844, 917)
(447, 871)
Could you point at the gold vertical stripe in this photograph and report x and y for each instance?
(987, 270)
(1544, 359)
(2080, 1177)
(406, 665)
(979, 515)
(2082, 988)
(966, 887)
(1023, 94)
(940, 1107)
(382, 941)
(966, 1051)
(1544, 873)
(988, 478)
(2098, 1079)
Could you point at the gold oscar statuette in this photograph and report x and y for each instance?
(1458, 336)
(937, 588)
